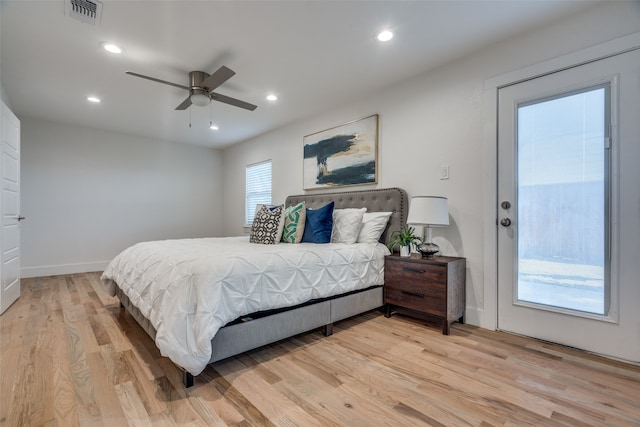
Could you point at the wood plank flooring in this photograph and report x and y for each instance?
(70, 356)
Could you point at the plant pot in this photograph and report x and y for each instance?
(405, 251)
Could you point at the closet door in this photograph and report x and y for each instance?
(9, 209)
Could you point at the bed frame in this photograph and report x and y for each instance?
(264, 328)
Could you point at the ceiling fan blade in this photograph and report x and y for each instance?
(232, 101)
(131, 73)
(185, 104)
(216, 79)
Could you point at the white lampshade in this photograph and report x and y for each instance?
(429, 210)
(200, 99)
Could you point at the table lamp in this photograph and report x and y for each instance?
(429, 211)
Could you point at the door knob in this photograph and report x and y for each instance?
(505, 222)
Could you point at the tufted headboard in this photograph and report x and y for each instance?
(380, 200)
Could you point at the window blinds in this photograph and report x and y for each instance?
(258, 188)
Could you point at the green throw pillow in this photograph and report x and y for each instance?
(294, 219)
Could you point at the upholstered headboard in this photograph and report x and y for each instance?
(381, 200)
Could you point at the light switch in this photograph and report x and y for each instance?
(444, 171)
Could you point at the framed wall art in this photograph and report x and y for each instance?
(342, 155)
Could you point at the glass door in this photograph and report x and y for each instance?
(566, 182)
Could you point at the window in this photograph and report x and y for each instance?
(563, 202)
(258, 188)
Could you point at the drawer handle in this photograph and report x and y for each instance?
(414, 270)
(414, 294)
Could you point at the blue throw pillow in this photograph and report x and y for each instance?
(317, 228)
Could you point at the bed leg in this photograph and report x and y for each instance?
(327, 330)
(187, 379)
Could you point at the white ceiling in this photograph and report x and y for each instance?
(314, 55)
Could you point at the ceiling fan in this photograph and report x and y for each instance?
(201, 88)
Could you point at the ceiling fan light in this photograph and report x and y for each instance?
(200, 99)
(385, 36)
(110, 47)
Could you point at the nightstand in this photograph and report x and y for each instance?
(425, 287)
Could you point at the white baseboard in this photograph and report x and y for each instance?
(56, 270)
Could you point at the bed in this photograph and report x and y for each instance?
(259, 314)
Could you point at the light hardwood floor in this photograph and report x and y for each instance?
(70, 356)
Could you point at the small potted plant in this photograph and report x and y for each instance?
(404, 238)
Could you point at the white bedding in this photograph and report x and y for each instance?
(190, 288)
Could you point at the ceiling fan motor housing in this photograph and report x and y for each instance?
(199, 95)
(196, 78)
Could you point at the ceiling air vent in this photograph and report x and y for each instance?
(88, 11)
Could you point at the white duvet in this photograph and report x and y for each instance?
(190, 288)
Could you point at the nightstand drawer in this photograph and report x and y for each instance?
(416, 297)
(405, 273)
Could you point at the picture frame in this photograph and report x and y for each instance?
(341, 156)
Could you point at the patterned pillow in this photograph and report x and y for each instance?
(267, 225)
(294, 220)
(346, 225)
(317, 227)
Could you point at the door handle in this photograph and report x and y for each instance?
(505, 222)
(20, 218)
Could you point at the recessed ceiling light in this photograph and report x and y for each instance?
(272, 97)
(110, 47)
(93, 99)
(385, 36)
(214, 127)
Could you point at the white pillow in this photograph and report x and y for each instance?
(346, 225)
(373, 225)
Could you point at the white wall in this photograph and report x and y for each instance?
(434, 119)
(3, 95)
(88, 194)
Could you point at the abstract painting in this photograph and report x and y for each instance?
(343, 155)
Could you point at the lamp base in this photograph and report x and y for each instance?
(428, 250)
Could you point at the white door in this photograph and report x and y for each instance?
(568, 207)
(10, 209)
